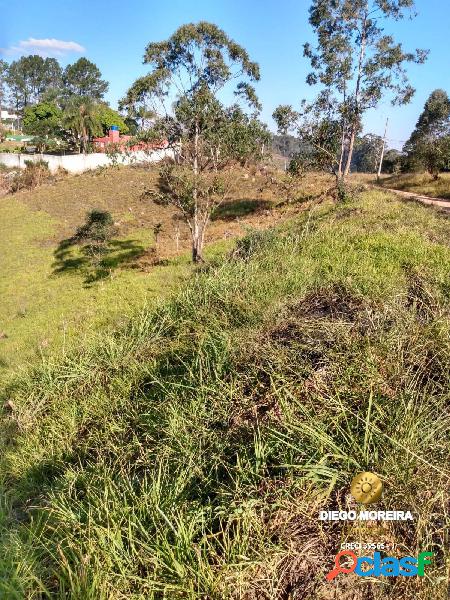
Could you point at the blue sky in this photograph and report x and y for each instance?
(114, 33)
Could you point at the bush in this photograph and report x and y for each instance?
(252, 243)
(95, 234)
(98, 228)
(34, 174)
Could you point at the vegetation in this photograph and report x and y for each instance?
(56, 290)
(107, 117)
(172, 430)
(43, 120)
(188, 454)
(194, 65)
(80, 118)
(30, 78)
(33, 79)
(3, 74)
(84, 78)
(429, 144)
(62, 109)
(356, 64)
(419, 183)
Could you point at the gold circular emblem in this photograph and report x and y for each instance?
(366, 488)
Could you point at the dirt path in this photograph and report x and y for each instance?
(439, 202)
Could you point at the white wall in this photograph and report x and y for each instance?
(77, 163)
(4, 114)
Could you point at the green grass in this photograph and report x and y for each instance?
(187, 454)
(47, 299)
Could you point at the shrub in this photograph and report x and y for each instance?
(34, 174)
(98, 228)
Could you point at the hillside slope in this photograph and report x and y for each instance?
(54, 293)
(188, 455)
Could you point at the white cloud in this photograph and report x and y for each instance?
(44, 47)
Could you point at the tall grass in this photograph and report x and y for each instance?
(188, 455)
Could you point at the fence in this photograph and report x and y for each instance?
(78, 163)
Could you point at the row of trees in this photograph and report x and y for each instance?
(61, 108)
(429, 145)
(354, 62)
(33, 79)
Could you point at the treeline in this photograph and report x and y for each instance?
(429, 145)
(33, 79)
(61, 108)
(365, 159)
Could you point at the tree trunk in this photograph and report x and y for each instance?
(355, 116)
(350, 149)
(197, 246)
(341, 158)
(197, 242)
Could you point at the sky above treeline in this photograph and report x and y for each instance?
(114, 34)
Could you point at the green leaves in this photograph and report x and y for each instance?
(29, 77)
(107, 117)
(33, 79)
(197, 55)
(429, 144)
(83, 78)
(81, 119)
(285, 117)
(356, 65)
(42, 119)
(181, 91)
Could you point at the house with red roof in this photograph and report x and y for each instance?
(121, 142)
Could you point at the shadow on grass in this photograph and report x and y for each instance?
(239, 208)
(95, 261)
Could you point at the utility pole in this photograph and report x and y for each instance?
(383, 147)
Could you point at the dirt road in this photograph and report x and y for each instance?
(439, 202)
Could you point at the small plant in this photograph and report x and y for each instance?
(252, 243)
(346, 192)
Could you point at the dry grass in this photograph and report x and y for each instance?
(418, 183)
(123, 192)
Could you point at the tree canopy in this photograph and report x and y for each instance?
(83, 78)
(429, 144)
(29, 77)
(356, 64)
(80, 118)
(107, 117)
(181, 91)
(43, 119)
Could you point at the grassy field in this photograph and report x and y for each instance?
(46, 301)
(420, 183)
(187, 453)
(53, 295)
